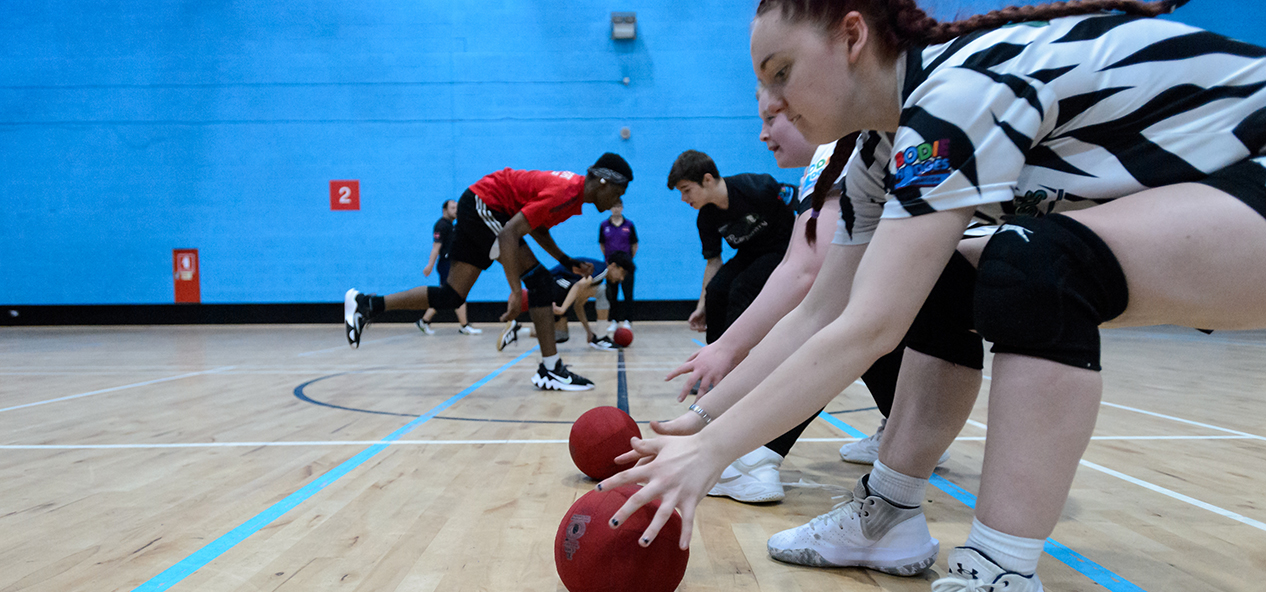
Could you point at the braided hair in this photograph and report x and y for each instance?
(901, 24)
(834, 166)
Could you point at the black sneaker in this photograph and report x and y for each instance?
(509, 335)
(603, 343)
(355, 316)
(559, 379)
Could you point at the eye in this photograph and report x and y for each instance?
(780, 76)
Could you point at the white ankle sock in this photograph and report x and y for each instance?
(1010, 552)
(550, 361)
(895, 487)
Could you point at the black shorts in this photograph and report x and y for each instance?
(476, 232)
(1244, 180)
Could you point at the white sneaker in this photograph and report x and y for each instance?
(612, 327)
(465, 330)
(866, 450)
(970, 570)
(425, 327)
(752, 478)
(627, 325)
(509, 335)
(866, 531)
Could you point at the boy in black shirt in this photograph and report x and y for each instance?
(443, 235)
(751, 212)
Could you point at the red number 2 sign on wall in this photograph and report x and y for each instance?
(344, 195)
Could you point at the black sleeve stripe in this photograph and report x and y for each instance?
(1022, 142)
(1252, 131)
(1094, 28)
(1042, 156)
(1174, 101)
(1020, 87)
(916, 73)
(1046, 76)
(869, 145)
(1075, 105)
(1190, 46)
(993, 56)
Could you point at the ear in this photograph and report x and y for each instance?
(854, 32)
(708, 181)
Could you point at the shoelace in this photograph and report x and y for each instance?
(835, 514)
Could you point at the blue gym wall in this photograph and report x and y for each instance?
(128, 129)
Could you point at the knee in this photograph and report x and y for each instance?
(444, 297)
(1044, 287)
(944, 326)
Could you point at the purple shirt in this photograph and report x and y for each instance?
(617, 238)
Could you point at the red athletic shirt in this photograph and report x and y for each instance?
(545, 197)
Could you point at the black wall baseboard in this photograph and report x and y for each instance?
(307, 312)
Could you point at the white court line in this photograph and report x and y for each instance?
(330, 349)
(1161, 490)
(1186, 421)
(466, 443)
(1178, 496)
(115, 388)
(270, 444)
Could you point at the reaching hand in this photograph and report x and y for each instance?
(426, 271)
(558, 310)
(687, 424)
(698, 321)
(680, 472)
(583, 268)
(706, 367)
(514, 306)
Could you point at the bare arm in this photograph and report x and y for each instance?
(546, 241)
(893, 279)
(435, 256)
(784, 290)
(513, 262)
(698, 318)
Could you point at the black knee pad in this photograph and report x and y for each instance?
(444, 297)
(1044, 287)
(943, 327)
(540, 286)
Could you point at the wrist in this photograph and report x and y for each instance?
(703, 414)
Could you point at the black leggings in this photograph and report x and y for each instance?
(734, 287)
(881, 379)
(620, 310)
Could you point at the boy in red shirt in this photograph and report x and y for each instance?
(493, 216)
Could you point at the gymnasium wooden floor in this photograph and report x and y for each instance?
(249, 458)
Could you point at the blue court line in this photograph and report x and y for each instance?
(174, 574)
(1097, 573)
(699, 343)
(622, 385)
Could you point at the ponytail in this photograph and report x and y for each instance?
(835, 166)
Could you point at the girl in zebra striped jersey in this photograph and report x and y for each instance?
(1150, 138)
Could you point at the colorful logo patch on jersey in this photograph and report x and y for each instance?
(925, 165)
(787, 194)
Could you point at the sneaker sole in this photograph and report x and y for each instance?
(757, 498)
(554, 385)
(897, 562)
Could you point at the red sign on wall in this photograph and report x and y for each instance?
(185, 265)
(344, 195)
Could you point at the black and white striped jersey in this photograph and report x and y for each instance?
(1052, 116)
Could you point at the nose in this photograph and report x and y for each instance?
(773, 103)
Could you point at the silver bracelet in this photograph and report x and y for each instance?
(707, 419)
